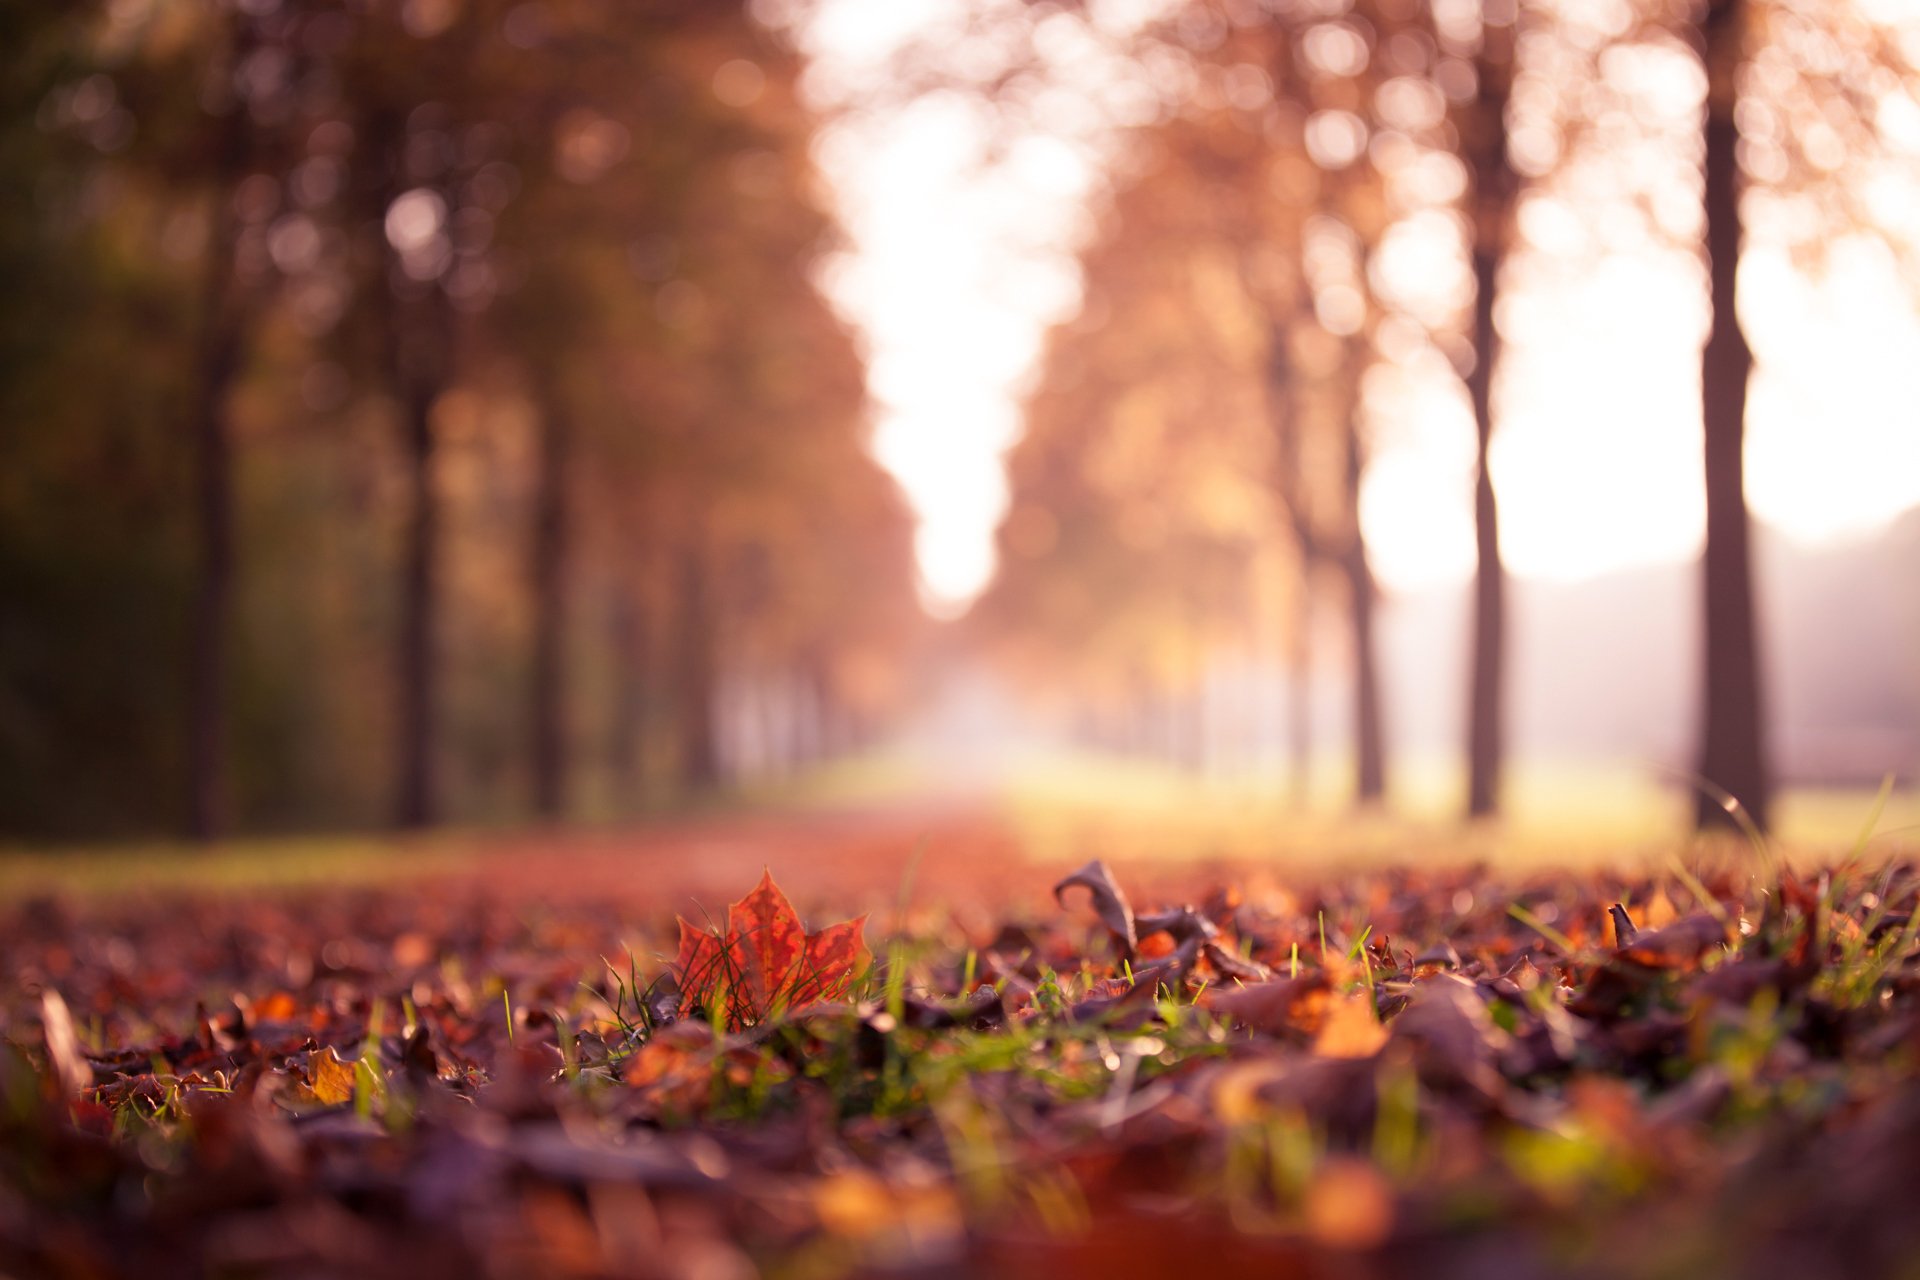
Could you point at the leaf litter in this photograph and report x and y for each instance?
(1413, 1072)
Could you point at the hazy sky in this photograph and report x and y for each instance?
(954, 272)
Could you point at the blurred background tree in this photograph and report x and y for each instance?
(381, 349)
(428, 410)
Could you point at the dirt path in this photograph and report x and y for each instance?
(854, 859)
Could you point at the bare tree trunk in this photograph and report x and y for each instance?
(628, 639)
(1733, 748)
(1486, 694)
(419, 345)
(547, 718)
(1495, 186)
(207, 798)
(210, 645)
(1369, 738)
(416, 802)
(815, 746)
(1300, 694)
(1290, 486)
(694, 692)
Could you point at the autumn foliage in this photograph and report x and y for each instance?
(1424, 1072)
(765, 962)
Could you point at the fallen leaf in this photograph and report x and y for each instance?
(766, 962)
(1453, 1038)
(1677, 946)
(1659, 911)
(1623, 930)
(330, 1077)
(1229, 965)
(1284, 1004)
(1108, 902)
(69, 1064)
(1351, 1029)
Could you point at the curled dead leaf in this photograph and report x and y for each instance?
(1623, 929)
(1108, 902)
(1230, 965)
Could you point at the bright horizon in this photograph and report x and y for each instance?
(955, 269)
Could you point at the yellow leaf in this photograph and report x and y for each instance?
(1351, 1028)
(332, 1079)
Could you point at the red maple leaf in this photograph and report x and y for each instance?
(766, 961)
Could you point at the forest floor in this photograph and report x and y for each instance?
(1344, 1047)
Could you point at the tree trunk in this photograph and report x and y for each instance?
(1369, 746)
(1733, 749)
(630, 657)
(1495, 188)
(210, 647)
(694, 692)
(416, 802)
(1486, 694)
(1300, 694)
(1289, 486)
(419, 342)
(547, 719)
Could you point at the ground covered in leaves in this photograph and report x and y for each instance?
(1436, 1072)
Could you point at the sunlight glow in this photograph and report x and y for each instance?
(960, 256)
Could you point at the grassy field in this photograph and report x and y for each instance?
(1055, 811)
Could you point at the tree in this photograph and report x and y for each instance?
(1795, 120)
(217, 360)
(1733, 757)
(1493, 189)
(1138, 505)
(210, 115)
(95, 570)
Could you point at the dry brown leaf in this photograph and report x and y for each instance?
(1108, 902)
(1679, 945)
(1453, 1037)
(1284, 1004)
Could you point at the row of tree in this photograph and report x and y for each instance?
(1190, 482)
(441, 388)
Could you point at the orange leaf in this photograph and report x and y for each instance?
(764, 926)
(1351, 1029)
(766, 961)
(832, 959)
(333, 1077)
